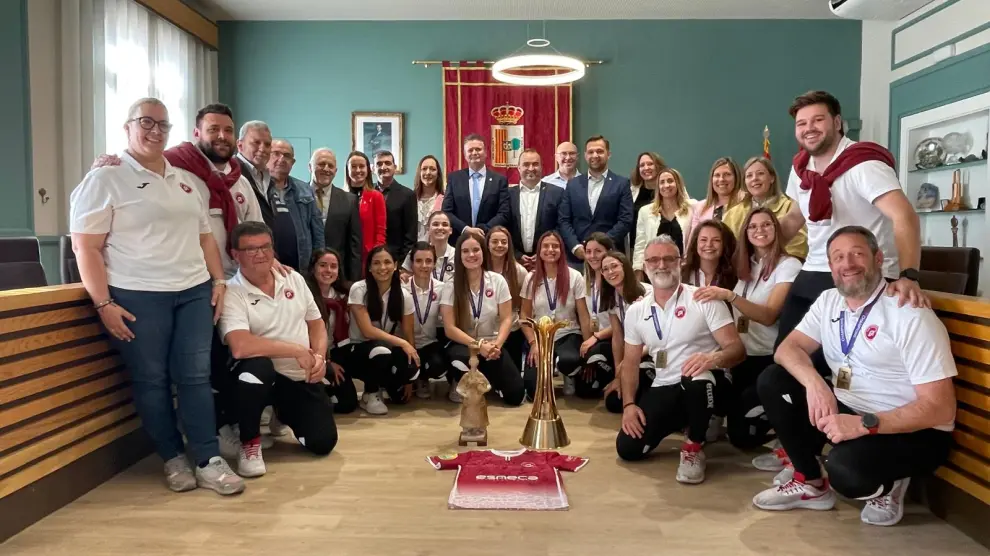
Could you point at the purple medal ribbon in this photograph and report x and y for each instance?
(848, 345)
(422, 317)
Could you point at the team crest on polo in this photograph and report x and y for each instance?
(434, 296)
(507, 137)
(289, 294)
(449, 267)
(239, 198)
(489, 292)
(871, 331)
(185, 187)
(679, 312)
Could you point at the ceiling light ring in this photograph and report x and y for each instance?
(532, 61)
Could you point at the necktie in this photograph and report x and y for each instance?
(475, 197)
(319, 200)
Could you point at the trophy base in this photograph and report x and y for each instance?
(544, 434)
(473, 439)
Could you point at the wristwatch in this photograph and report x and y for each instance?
(871, 423)
(910, 274)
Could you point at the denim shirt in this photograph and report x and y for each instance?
(306, 218)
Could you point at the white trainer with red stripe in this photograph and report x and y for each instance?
(796, 494)
(886, 510)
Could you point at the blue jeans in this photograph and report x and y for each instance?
(172, 339)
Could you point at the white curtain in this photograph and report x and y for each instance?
(113, 53)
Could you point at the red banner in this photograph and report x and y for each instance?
(510, 117)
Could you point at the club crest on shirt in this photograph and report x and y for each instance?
(449, 267)
(434, 296)
(871, 331)
(289, 294)
(679, 312)
(489, 292)
(239, 197)
(185, 187)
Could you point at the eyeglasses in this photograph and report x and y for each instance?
(667, 261)
(266, 249)
(611, 268)
(149, 123)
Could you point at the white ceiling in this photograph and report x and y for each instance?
(387, 10)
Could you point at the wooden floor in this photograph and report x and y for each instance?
(376, 495)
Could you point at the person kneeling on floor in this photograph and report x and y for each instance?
(686, 339)
(278, 340)
(892, 410)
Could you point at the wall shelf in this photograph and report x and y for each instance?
(947, 167)
(924, 212)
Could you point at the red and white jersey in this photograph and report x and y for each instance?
(516, 480)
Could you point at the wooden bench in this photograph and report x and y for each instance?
(960, 494)
(67, 423)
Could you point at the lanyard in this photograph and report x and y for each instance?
(551, 300)
(656, 319)
(476, 307)
(848, 345)
(422, 317)
(594, 299)
(620, 303)
(443, 270)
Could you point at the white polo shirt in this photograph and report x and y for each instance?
(595, 305)
(281, 317)
(245, 203)
(427, 318)
(521, 273)
(496, 292)
(153, 224)
(566, 308)
(686, 325)
(443, 269)
(759, 339)
(896, 349)
(357, 297)
(853, 194)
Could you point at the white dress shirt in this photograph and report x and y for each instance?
(263, 179)
(595, 187)
(529, 202)
(558, 180)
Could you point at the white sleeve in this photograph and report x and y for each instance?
(793, 185)
(924, 347)
(407, 302)
(578, 286)
(235, 312)
(873, 178)
(357, 294)
(716, 314)
(811, 324)
(312, 309)
(407, 264)
(204, 218)
(639, 250)
(91, 204)
(786, 271)
(521, 273)
(447, 295)
(501, 287)
(525, 289)
(631, 333)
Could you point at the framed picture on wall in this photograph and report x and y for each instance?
(378, 131)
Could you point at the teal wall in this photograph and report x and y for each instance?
(692, 90)
(17, 208)
(948, 81)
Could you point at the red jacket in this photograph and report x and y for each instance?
(372, 211)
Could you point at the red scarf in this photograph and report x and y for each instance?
(820, 205)
(188, 157)
(339, 308)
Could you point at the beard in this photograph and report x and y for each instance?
(213, 155)
(829, 139)
(664, 279)
(860, 287)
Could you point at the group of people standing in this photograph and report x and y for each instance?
(685, 316)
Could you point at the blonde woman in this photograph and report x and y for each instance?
(724, 186)
(763, 190)
(670, 213)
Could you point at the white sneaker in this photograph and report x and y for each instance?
(785, 476)
(796, 494)
(251, 463)
(276, 428)
(373, 404)
(569, 386)
(716, 429)
(179, 474)
(453, 395)
(886, 510)
(423, 389)
(219, 477)
(266, 415)
(773, 461)
(229, 438)
(692, 467)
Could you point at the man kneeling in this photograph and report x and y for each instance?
(686, 339)
(278, 341)
(893, 405)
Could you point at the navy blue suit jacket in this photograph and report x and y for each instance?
(613, 215)
(493, 209)
(546, 215)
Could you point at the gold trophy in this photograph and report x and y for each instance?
(544, 429)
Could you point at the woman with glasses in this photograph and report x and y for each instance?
(621, 289)
(150, 264)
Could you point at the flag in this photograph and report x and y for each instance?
(766, 142)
